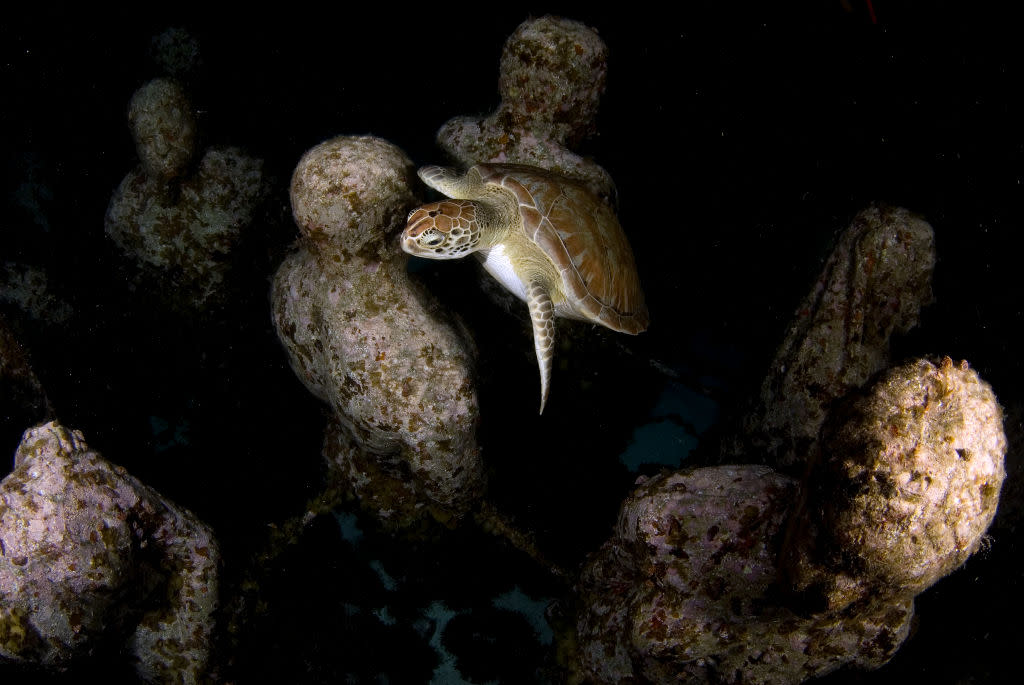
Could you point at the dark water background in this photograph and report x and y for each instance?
(740, 137)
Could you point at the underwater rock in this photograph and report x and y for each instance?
(873, 285)
(918, 460)
(688, 588)
(363, 337)
(553, 74)
(87, 552)
(179, 222)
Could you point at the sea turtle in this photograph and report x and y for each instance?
(545, 237)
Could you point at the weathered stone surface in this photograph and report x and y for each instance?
(873, 285)
(177, 222)
(905, 487)
(735, 574)
(553, 74)
(90, 555)
(365, 338)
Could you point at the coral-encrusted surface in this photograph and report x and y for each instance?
(178, 222)
(906, 485)
(680, 593)
(395, 370)
(908, 482)
(163, 127)
(553, 73)
(872, 286)
(90, 556)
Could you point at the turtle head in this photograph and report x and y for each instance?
(442, 230)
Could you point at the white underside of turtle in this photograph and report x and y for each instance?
(498, 264)
(544, 237)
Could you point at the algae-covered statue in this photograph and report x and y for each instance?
(543, 236)
(364, 338)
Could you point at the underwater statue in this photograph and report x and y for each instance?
(396, 372)
(89, 553)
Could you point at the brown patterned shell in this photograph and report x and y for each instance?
(583, 239)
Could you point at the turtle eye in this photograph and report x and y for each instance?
(432, 237)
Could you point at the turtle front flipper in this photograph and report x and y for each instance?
(447, 181)
(542, 313)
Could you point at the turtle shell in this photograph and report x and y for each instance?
(581, 236)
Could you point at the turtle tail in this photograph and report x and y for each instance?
(542, 314)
